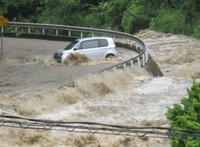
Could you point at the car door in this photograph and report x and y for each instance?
(90, 48)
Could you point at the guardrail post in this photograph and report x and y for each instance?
(56, 32)
(147, 54)
(131, 63)
(138, 62)
(1, 55)
(124, 65)
(136, 46)
(29, 30)
(81, 34)
(69, 33)
(143, 60)
(43, 31)
(131, 44)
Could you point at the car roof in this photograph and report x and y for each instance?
(91, 38)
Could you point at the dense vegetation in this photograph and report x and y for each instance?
(170, 16)
(187, 116)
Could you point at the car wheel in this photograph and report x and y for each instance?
(110, 56)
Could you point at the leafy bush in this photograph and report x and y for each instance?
(169, 21)
(186, 116)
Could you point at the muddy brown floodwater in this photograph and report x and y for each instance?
(30, 82)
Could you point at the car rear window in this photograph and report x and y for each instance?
(103, 42)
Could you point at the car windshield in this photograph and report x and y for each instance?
(71, 45)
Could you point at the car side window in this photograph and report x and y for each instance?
(103, 42)
(89, 44)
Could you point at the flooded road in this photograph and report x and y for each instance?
(28, 66)
(29, 83)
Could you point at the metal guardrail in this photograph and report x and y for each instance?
(75, 31)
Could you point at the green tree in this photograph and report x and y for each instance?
(186, 116)
(96, 16)
(61, 12)
(136, 17)
(91, 2)
(169, 21)
(21, 10)
(108, 14)
(123, 15)
(196, 31)
(114, 13)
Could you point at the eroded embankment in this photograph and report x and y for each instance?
(176, 55)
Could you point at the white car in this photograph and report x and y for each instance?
(93, 48)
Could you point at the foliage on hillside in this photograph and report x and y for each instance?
(168, 16)
(186, 116)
